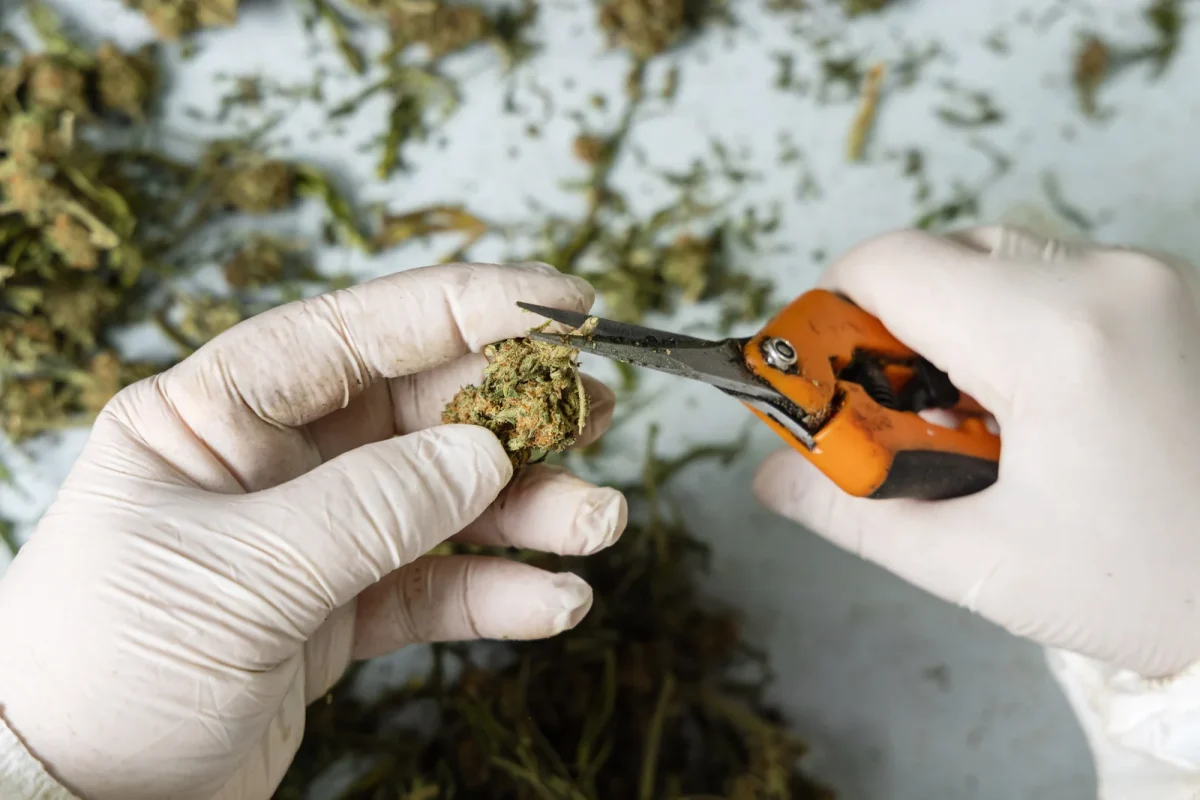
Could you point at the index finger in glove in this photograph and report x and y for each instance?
(246, 392)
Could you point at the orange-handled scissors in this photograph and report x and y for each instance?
(835, 384)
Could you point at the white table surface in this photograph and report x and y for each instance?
(902, 696)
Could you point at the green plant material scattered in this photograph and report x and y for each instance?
(980, 111)
(1167, 19)
(87, 234)
(1097, 60)
(963, 203)
(856, 8)
(8, 537)
(324, 10)
(173, 19)
(965, 200)
(997, 42)
(785, 75)
(1060, 204)
(913, 160)
(396, 229)
(440, 27)
(643, 264)
(844, 72)
(655, 694)
(866, 113)
(439, 30)
(646, 28)
(443, 29)
(76, 230)
(532, 397)
(266, 261)
(125, 82)
(1091, 69)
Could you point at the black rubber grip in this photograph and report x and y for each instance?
(935, 475)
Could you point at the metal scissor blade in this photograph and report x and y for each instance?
(614, 331)
(717, 363)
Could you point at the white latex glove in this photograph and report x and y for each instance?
(242, 526)
(1089, 357)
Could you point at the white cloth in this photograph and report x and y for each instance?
(1144, 734)
(22, 777)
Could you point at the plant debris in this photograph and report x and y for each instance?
(173, 19)
(866, 113)
(1091, 68)
(980, 110)
(86, 234)
(1166, 18)
(423, 35)
(646, 28)
(653, 696)
(532, 397)
(856, 8)
(1060, 204)
(1097, 60)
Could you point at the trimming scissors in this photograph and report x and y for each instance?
(832, 382)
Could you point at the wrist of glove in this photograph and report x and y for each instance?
(1144, 733)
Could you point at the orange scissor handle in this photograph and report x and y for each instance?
(867, 447)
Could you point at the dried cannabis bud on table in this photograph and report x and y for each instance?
(74, 230)
(85, 231)
(532, 397)
(648, 27)
(175, 18)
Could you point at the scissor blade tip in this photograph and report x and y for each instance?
(572, 318)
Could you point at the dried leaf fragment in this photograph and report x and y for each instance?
(854, 8)
(125, 81)
(866, 112)
(1091, 68)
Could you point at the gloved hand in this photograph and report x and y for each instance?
(1089, 358)
(242, 526)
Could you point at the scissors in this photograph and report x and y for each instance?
(831, 380)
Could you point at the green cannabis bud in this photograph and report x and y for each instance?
(532, 397)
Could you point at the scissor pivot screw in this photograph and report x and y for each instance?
(779, 353)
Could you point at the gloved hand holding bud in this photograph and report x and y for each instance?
(242, 526)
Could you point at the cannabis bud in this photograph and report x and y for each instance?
(532, 397)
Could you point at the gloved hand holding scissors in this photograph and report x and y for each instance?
(1089, 542)
(1089, 359)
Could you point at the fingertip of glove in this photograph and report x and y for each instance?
(574, 595)
(603, 519)
(475, 446)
